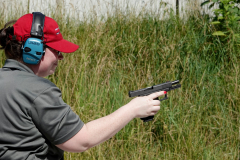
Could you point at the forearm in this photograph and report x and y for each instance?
(104, 128)
(99, 130)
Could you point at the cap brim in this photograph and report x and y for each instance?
(63, 46)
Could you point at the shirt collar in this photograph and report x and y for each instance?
(14, 64)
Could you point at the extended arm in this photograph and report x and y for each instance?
(100, 130)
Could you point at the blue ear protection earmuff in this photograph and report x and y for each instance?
(33, 48)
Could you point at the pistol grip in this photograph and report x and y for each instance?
(149, 118)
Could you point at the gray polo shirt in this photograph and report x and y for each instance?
(33, 116)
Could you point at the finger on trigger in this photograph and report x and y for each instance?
(157, 94)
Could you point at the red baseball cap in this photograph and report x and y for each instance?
(52, 35)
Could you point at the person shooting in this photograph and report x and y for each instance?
(36, 123)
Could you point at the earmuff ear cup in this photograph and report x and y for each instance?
(33, 51)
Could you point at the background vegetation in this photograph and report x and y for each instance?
(126, 52)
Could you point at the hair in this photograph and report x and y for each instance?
(12, 47)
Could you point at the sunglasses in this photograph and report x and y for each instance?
(54, 50)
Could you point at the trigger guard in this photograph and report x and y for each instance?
(164, 98)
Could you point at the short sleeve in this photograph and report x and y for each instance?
(54, 118)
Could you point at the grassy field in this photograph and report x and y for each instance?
(201, 120)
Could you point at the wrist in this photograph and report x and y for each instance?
(130, 111)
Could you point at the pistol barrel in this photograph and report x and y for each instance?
(175, 82)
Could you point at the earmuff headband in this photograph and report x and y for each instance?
(37, 24)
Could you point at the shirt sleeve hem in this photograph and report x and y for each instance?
(69, 135)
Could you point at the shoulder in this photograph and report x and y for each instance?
(40, 83)
(27, 85)
(40, 86)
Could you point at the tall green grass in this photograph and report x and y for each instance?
(126, 52)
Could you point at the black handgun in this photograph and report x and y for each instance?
(168, 86)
